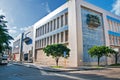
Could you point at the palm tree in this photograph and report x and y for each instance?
(4, 35)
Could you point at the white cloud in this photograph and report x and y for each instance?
(24, 28)
(2, 12)
(47, 8)
(116, 7)
(12, 31)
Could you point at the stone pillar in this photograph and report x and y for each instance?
(75, 33)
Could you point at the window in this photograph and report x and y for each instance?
(47, 40)
(36, 32)
(61, 36)
(50, 39)
(54, 24)
(48, 27)
(58, 22)
(62, 21)
(58, 38)
(110, 39)
(66, 35)
(66, 18)
(51, 26)
(35, 44)
(43, 30)
(40, 43)
(54, 39)
(119, 41)
(40, 31)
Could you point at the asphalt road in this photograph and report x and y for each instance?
(15, 72)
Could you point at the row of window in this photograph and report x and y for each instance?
(16, 46)
(57, 38)
(114, 26)
(52, 25)
(114, 40)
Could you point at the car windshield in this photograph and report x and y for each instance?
(4, 57)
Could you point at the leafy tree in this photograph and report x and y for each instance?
(116, 57)
(115, 54)
(100, 51)
(4, 35)
(56, 51)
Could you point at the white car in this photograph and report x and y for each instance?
(4, 60)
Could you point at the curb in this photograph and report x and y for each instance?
(48, 69)
(43, 68)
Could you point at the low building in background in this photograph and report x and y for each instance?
(28, 45)
(22, 46)
(17, 48)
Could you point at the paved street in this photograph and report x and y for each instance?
(14, 72)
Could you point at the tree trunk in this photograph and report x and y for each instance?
(116, 58)
(57, 59)
(98, 61)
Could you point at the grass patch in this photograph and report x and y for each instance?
(115, 65)
(56, 66)
(99, 67)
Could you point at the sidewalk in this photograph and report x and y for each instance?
(50, 69)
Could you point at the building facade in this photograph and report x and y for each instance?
(17, 48)
(28, 44)
(23, 46)
(79, 25)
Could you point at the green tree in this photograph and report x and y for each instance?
(4, 35)
(100, 51)
(56, 51)
(115, 54)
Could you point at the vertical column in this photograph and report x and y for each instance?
(60, 37)
(64, 37)
(64, 20)
(106, 30)
(75, 33)
(106, 35)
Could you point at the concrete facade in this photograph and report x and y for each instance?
(23, 47)
(71, 25)
(16, 50)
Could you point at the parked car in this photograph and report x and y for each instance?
(4, 59)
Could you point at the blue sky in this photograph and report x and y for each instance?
(21, 14)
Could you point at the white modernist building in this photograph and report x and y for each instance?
(23, 47)
(79, 25)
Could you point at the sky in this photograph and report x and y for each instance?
(22, 14)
